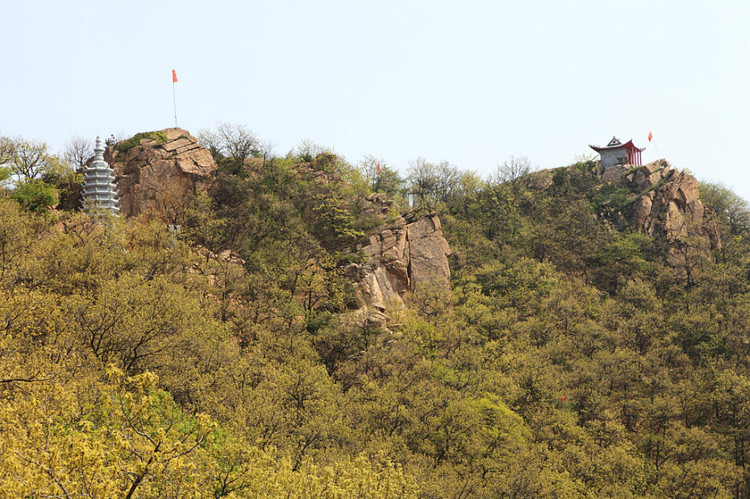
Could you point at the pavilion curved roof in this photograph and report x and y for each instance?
(616, 144)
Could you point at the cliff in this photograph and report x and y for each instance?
(664, 202)
(156, 170)
(412, 255)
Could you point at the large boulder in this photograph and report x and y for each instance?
(650, 175)
(642, 211)
(668, 202)
(615, 174)
(410, 255)
(158, 171)
(428, 254)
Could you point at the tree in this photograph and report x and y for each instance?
(35, 195)
(78, 150)
(114, 138)
(265, 151)
(231, 141)
(28, 159)
(687, 249)
(308, 150)
(728, 205)
(511, 170)
(4, 174)
(430, 184)
(6, 149)
(383, 179)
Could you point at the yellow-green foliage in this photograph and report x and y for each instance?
(570, 359)
(88, 316)
(125, 437)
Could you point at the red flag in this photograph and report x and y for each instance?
(650, 136)
(174, 76)
(378, 166)
(564, 398)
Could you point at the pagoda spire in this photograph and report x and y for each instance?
(99, 189)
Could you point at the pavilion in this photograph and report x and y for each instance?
(617, 153)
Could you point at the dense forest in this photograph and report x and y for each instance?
(574, 357)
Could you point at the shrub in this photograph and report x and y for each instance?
(35, 195)
(126, 145)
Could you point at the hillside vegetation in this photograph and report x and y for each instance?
(573, 358)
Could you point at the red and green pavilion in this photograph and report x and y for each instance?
(617, 153)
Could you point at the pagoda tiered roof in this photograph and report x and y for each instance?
(99, 189)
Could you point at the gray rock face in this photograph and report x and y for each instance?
(412, 256)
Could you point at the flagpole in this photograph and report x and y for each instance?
(651, 139)
(174, 102)
(658, 156)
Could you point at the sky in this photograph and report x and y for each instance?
(469, 82)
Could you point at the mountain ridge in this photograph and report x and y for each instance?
(228, 339)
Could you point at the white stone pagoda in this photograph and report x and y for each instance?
(99, 189)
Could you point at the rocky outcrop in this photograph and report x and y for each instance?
(158, 170)
(668, 201)
(410, 255)
(614, 174)
(428, 255)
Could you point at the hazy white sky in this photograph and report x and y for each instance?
(469, 82)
